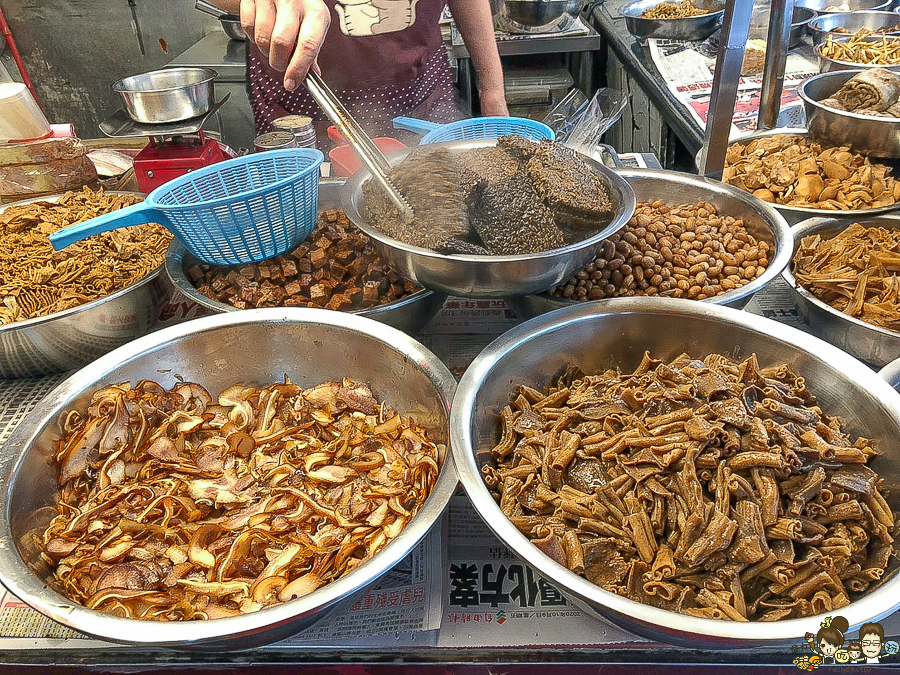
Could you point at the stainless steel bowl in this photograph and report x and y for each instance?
(822, 26)
(533, 16)
(799, 23)
(821, 6)
(255, 346)
(481, 276)
(829, 65)
(794, 214)
(891, 373)
(168, 95)
(410, 314)
(763, 222)
(74, 337)
(866, 134)
(693, 28)
(231, 24)
(615, 333)
(869, 343)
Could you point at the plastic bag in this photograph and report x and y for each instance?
(44, 167)
(580, 124)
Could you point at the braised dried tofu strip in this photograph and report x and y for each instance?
(175, 506)
(709, 487)
(856, 272)
(38, 281)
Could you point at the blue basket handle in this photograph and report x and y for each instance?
(420, 127)
(136, 214)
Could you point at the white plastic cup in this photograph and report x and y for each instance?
(20, 117)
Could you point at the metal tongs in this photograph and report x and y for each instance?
(357, 138)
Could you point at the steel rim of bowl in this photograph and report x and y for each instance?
(174, 265)
(209, 76)
(355, 181)
(815, 22)
(17, 577)
(804, 229)
(809, 211)
(781, 232)
(783, 631)
(801, 91)
(72, 311)
(630, 11)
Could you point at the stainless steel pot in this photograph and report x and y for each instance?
(74, 337)
(168, 95)
(822, 26)
(866, 134)
(481, 276)
(800, 19)
(410, 314)
(255, 346)
(794, 214)
(693, 28)
(671, 187)
(821, 6)
(533, 16)
(865, 341)
(615, 333)
(829, 65)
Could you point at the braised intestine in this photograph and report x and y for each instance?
(176, 507)
(708, 487)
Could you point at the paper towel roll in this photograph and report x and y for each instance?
(20, 116)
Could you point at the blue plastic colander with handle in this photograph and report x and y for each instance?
(238, 211)
(476, 128)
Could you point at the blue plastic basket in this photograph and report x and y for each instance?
(477, 128)
(237, 211)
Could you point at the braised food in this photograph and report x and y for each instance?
(713, 488)
(174, 506)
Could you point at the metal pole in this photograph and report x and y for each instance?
(732, 41)
(777, 43)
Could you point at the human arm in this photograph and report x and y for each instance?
(473, 18)
(289, 33)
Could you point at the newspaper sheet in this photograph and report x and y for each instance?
(687, 69)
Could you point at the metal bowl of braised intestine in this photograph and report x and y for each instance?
(802, 178)
(335, 268)
(695, 474)
(223, 483)
(744, 244)
(842, 277)
(62, 310)
(494, 217)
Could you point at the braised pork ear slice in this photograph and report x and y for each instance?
(429, 180)
(574, 193)
(511, 219)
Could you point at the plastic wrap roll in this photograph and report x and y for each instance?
(20, 116)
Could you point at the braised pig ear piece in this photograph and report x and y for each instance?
(199, 510)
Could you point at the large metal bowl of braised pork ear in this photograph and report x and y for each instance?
(223, 483)
(493, 217)
(696, 474)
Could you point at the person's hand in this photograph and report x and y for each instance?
(493, 102)
(289, 33)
